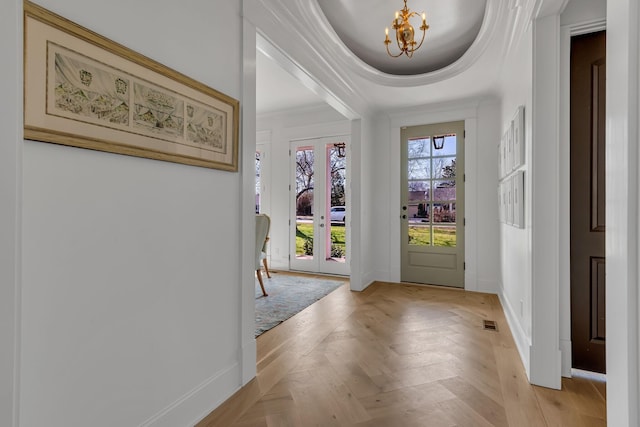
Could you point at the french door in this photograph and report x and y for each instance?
(432, 211)
(319, 214)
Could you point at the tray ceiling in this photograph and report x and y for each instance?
(360, 24)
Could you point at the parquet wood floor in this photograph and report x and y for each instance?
(401, 355)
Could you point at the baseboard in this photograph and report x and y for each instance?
(523, 343)
(565, 363)
(249, 369)
(202, 400)
(487, 286)
(373, 276)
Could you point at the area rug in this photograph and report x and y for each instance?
(288, 295)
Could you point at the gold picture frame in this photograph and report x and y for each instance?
(84, 90)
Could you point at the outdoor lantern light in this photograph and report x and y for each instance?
(438, 142)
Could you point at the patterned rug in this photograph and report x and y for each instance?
(288, 295)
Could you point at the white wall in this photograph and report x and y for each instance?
(10, 167)
(530, 266)
(130, 288)
(623, 19)
(486, 210)
(385, 207)
(515, 243)
(580, 11)
(364, 229)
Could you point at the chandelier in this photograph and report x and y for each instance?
(405, 32)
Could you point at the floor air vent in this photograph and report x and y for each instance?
(490, 325)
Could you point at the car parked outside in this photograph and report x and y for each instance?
(338, 214)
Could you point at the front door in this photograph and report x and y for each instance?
(319, 209)
(588, 201)
(432, 211)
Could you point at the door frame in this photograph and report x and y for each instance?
(319, 265)
(459, 111)
(566, 32)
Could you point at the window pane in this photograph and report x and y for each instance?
(444, 213)
(444, 190)
(418, 198)
(418, 210)
(449, 148)
(338, 176)
(335, 238)
(419, 148)
(418, 187)
(419, 169)
(444, 235)
(444, 167)
(304, 238)
(304, 202)
(419, 233)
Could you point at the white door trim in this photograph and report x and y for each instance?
(449, 112)
(566, 32)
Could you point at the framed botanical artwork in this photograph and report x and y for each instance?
(83, 90)
(518, 199)
(509, 149)
(518, 137)
(500, 164)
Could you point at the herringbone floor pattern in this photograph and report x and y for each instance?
(401, 355)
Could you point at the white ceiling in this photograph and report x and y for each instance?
(277, 90)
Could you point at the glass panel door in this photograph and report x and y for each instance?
(432, 246)
(258, 180)
(320, 222)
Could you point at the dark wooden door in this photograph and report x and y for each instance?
(588, 201)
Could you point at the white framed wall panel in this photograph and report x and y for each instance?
(517, 126)
(509, 185)
(517, 185)
(510, 160)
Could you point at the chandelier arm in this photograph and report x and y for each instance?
(424, 33)
(392, 55)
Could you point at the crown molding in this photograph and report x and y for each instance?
(586, 27)
(282, 38)
(548, 7)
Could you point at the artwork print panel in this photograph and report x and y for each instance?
(83, 90)
(206, 127)
(158, 112)
(86, 91)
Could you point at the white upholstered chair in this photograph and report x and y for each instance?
(263, 223)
